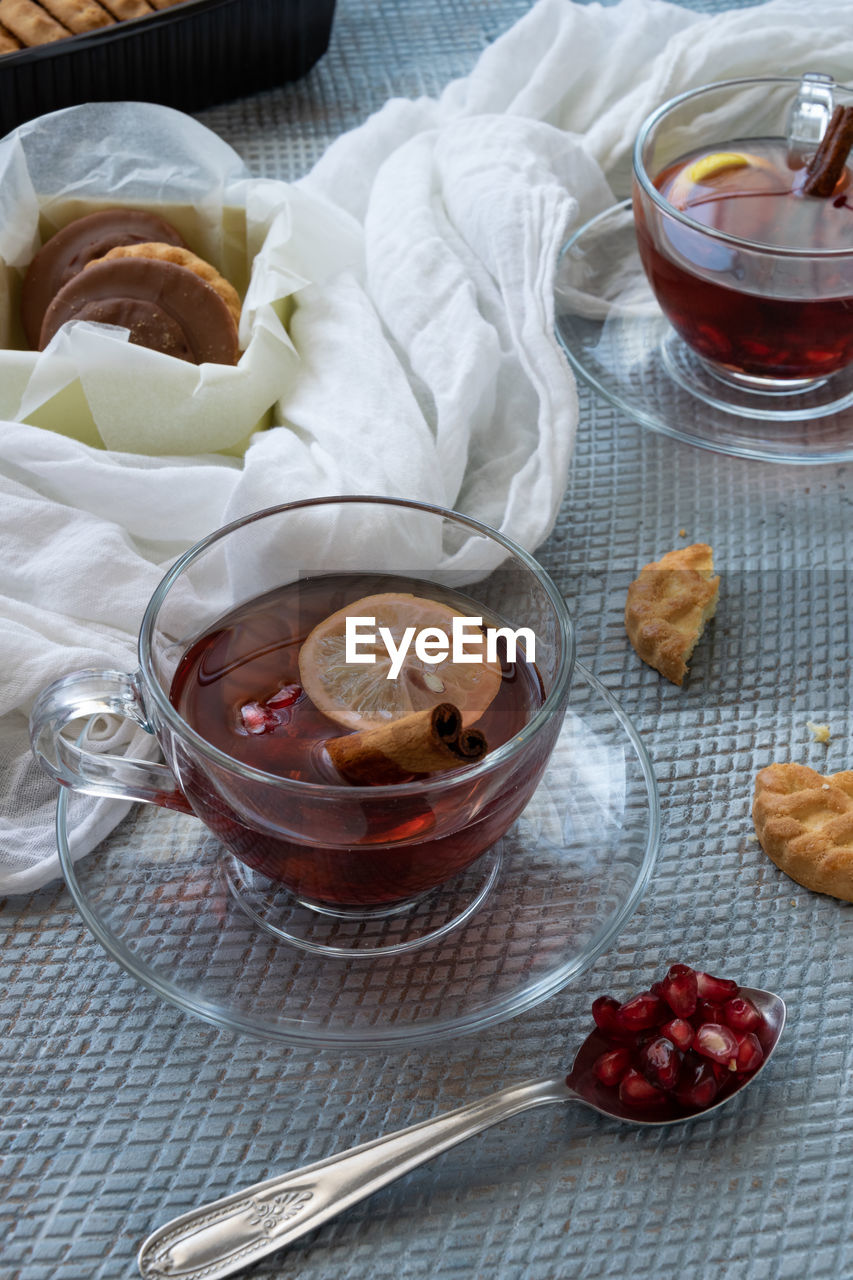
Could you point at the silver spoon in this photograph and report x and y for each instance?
(227, 1235)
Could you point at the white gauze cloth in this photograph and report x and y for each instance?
(429, 371)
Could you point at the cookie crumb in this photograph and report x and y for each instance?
(682, 533)
(819, 732)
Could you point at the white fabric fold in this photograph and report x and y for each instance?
(427, 369)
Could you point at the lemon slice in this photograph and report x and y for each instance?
(708, 167)
(361, 696)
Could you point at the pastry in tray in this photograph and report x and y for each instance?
(668, 605)
(26, 24)
(804, 823)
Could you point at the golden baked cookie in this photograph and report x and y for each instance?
(31, 23)
(8, 42)
(127, 10)
(182, 258)
(78, 15)
(804, 823)
(668, 605)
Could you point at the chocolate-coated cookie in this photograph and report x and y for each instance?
(166, 307)
(82, 240)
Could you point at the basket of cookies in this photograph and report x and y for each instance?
(146, 281)
(188, 54)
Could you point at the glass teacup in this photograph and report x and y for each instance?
(332, 843)
(755, 275)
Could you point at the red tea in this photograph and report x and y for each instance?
(239, 687)
(763, 314)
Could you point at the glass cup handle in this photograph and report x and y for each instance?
(809, 116)
(81, 696)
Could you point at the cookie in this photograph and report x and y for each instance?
(31, 23)
(668, 605)
(182, 258)
(8, 42)
(78, 16)
(127, 10)
(165, 307)
(804, 823)
(68, 251)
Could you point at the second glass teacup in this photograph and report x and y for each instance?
(755, 275)
(228, 683)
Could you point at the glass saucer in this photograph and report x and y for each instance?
(180, 914)
(617, 338)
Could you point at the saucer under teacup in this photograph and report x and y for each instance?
(180, 914)
(618, 339)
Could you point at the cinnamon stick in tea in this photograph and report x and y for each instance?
(827, 164)
(429, 741)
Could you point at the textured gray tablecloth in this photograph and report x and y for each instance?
(118, 1111)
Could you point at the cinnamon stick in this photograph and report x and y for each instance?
(827, 164)
(429, 741)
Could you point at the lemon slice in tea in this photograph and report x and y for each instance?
(361, 696)
(709, 167)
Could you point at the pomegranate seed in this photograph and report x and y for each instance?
(680, 990)
(636, 1091)
(604, 1011)
(697, 1085)
(612, 1066)
(707, 1011)
(722, 1071)
(680, 1032)
(740, 1014)
(717, 1042)
(286, 696)
(660, 1062)
(715, 989)
(642, 1011)
(256, 718)
(750, 1054)
(713, 338)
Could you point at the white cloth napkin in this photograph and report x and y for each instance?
(431, 371)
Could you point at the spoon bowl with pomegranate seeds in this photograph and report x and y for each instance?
(678, 1050)
(675, 1052)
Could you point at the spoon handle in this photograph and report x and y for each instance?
(232, 1233)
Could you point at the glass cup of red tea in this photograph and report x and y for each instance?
(244, 729)
(743, 206)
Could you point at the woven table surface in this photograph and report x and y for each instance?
(118, 1111)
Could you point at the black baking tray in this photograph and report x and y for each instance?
(191, 56)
